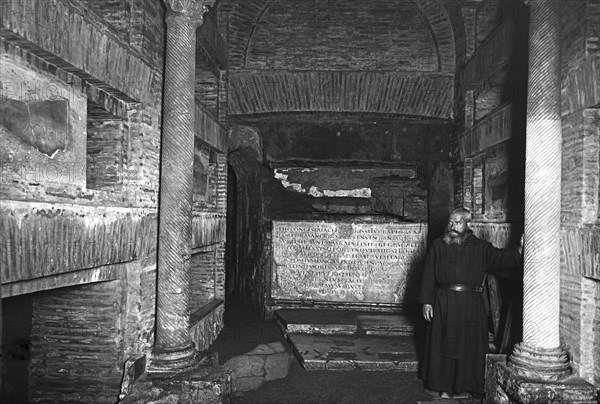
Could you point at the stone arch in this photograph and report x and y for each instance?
(245, 16)
(443, 17)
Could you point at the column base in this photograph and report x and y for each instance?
(206, 383)
(536, 363)
(164, 360)
(505, 385)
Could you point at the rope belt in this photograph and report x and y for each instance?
(459, 287)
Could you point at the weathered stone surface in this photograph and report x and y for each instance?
(337, 181)
(524, 390)
(264, 363)
(204, 384)
(317, 321)
(43, 125)
(247, 365)
(320, 139)
(277, 346)
(42, 130)
(277, 365)
(262, 349)
(241, 384)
(346, 352)
(399, 196)
(59, 239)
(205, 329)
(366, 260)
(380, 324)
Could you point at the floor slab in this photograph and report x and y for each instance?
(385, 324)
(317, 321)
(353, 352)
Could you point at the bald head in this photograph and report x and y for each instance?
(463, 213)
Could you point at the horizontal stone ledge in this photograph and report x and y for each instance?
(209, 130)
(492, 130)
(494, 53)
(61, 34)
(75, 278)
(45, 239)
(411, 94)
(114, 104)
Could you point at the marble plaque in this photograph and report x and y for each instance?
(347, 261)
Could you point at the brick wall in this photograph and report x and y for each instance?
(105, 154)
(147, 29)
(488, 18)
(319, 35)
(137, 22)
(115, 13)
(74, 352)
(580, 168)
(202, 279)
(572, 31)
(570, 315)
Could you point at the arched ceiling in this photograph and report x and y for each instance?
(329, 24)
(375, 35)
(326, 55)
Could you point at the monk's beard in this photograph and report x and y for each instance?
(453, 237)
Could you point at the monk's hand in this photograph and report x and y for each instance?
(427, 312)
(521, 244)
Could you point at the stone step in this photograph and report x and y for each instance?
(346, 352)
(385, 324)
(307, 321)
(462, 398)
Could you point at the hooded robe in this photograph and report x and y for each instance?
(457, 337)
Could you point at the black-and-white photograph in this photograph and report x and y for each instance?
(300, 201)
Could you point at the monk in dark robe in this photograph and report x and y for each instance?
(453, 306)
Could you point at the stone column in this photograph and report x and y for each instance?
(173, 349)
(539, 355)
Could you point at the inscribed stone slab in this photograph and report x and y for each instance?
(365, 262)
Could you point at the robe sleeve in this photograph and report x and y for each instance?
(428, 280)
(502, 258)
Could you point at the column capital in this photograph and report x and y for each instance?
(193, 9)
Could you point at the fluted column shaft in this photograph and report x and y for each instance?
(539, 354)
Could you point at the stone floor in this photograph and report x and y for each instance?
(346, 340)
(245, 329)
